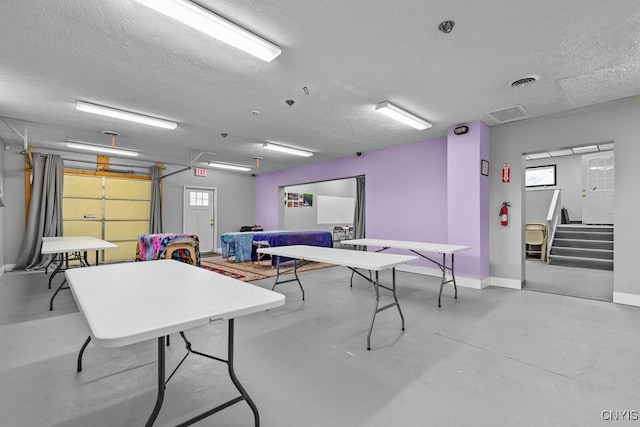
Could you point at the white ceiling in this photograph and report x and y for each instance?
(350, 55)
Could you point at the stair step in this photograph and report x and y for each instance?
(597, 228)
(582, 252)
(584, 235)
(570, 261)
(583, 244)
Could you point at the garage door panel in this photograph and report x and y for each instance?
(79, 208)
(83, 228)
(115, 188)
(127, 209)
(125, 230)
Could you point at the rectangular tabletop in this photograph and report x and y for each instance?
(62, 244)
(374, 261)
(441, 248)
(132, 302)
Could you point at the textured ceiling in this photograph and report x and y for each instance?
(349, 55)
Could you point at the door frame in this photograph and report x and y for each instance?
(185, 188)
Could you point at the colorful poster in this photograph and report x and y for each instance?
(307, 200)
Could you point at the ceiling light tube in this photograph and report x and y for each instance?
(215, 26)
(124, 115)
(100, 149)
(397, 113)
(288, 150)
(228, 167)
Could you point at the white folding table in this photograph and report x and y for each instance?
(78, 246)
(417, 248)
(353, 260)
(132, 302)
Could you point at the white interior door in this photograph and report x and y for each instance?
(199, 216)
(597, 188)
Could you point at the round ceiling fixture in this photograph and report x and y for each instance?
(446, 26)
(255, 112)
(525, 81)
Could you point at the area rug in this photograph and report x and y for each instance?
(248, 271)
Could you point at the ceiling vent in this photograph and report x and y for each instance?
(525, 81)
(510, 114)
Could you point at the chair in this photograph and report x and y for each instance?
(181, 247)
(339, 233)
(535, 237)
(182, 252)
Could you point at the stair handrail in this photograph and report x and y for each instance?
(553, 218)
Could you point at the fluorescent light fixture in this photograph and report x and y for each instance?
(587, 149)
(605, 147)
(397, 113)
(228, 167)
(285, 149)
(558, 153)
(78, 145)
(543, 155)
(124, 115)
(215, 26)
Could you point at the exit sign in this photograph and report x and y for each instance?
(201, 172)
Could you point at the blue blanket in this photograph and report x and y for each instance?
(288, 238)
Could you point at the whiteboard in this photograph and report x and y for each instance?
(335, 210)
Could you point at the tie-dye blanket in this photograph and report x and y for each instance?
(183, 247)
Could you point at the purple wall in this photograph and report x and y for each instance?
(431, 191)
(468, 198)
(406, 190)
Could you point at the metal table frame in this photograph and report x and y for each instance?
(346, 258)
(116, 303)
(78, 247)
(414, 247)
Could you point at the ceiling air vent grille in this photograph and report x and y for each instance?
(510, 114)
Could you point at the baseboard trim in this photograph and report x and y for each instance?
(506, 283)
(626, 299)
(464, 282)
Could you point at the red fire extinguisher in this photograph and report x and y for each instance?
(504, 214)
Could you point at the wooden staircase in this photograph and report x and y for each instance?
(585, 246)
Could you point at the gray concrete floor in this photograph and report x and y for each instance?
(493, 357)
(569, 281)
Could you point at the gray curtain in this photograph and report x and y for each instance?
(45, 211)
(358, 217)
(155, 216)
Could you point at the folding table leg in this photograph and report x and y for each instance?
(295, 273)
(161, 386)
(377, 309)
(84, 346)
(56, 293)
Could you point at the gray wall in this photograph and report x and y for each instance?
(306, 218)
(569, 180)
(14, 216)
(2, 210)
(235, 197)
(615, 121)
(537, 202)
